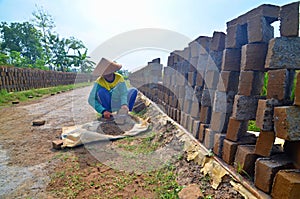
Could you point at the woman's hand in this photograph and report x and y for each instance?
(107, 114)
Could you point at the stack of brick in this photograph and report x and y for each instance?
(18, 79)
(282, 61)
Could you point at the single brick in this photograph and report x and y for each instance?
(286, 185)
(250, 83)
(211, 79)
(223, 101)
(280, 84)
(199, 80)
(266, 169)
(202, 62)
(286, 122)
(190, 124)
(218, 144)
(231, 59)
(259, 30)
(205, 114)
(244, 107)
(219, 122)
(214, 61)
(204, 43)
(292, 149)
(236, 129)
(196, 127)
(201, 133)
(253, 56)
(208, 97)
(56, 144)
(187, 106)
(283, 52)
(264, 143)
(193, 64)
(192, 78)
(289, 20)
(265, 113)
(194, 48)
(236, 36)
(195, 110)
(209, 138)
(245, 159)
(218, 41)
(228, 81)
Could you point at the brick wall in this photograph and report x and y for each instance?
(18, 79)
(213, 88)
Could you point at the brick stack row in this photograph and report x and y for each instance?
(18, 79)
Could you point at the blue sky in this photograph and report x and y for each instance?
(96, 22)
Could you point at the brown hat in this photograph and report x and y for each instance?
(105, 67)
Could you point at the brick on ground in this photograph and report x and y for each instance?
(289, 20)
(286, 185)
(201, 133)
(264, 143)
(245, 159)
(266, 169)
(286, 122)
(230, 147)
(218, 144)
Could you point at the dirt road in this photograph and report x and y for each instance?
(26, 150)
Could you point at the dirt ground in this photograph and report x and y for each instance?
(30, 168)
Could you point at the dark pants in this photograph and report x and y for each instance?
(104, 98)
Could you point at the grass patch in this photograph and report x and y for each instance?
(7, 97)
(252, 126)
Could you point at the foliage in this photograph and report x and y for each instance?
(252, 126)
(34, 44)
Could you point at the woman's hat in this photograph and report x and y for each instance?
(105, 67)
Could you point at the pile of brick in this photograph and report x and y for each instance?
(18, 79)
(214, 86)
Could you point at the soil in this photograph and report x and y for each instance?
(30, 168)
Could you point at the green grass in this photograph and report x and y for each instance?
(252, 126)
(6, 98)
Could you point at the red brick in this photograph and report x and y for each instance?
(289, 20)
(218, 144)
(236, 129)
(228, 81)
(196, 127)
(245, 159)
(209, 138)
(259, 30)
(253, 56)
(231, 59)
(292, 149)
(244, 107)
(192, 78)
(286, 122)
(218, 41)
(280, 84)
(199, 80)
(201, 132)
(205, 114)
(286, 185)
(56, 144)
(266, 169)
(219, 122)
(195, 110)
(236, 36)
(264, 143)
(230, 147)
(204, 43)
(250, 83)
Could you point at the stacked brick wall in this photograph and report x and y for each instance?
(18, 79)
(213, 88)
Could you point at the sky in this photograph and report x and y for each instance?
(133, 32)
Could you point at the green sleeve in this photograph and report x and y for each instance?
(93, 99)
